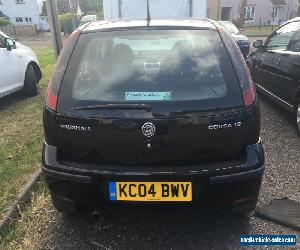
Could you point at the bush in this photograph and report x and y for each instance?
(67, 24)
(65, 18)
(4, 22)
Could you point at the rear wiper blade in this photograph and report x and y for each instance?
(127, 106)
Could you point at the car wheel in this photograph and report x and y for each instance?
(297, 116)
(30, 83)
(67, 207)
(246, 207)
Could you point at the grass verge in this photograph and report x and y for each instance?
(21, 134)
(20, 236)
(260, 30)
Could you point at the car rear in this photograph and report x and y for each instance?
(152, 114)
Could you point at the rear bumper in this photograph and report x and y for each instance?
(225, 183)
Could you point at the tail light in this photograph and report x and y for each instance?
(252, 118)
(51, 98)
(252, 112)
(247, 84)
(249, 91)
(243, 73)
(61, 65)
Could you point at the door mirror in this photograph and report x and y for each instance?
(10, 43)
(258, 44)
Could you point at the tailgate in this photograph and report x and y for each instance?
(185, 139)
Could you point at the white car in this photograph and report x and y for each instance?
(88, 18)
(19, 68)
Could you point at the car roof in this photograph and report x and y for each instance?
(225, 22)
(140, 23)
(292, 20)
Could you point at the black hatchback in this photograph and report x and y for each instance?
(275, 67)
(159, 113)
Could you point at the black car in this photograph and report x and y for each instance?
(275, 67)
(152, 113)
(242, 41)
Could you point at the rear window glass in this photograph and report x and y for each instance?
(148, 66)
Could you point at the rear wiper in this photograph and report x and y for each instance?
(127, 106)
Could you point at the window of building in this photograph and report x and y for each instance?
(249, 13)
(28, 19)
(20, 1)
(19, 19)
(276, 11)
(226, 13)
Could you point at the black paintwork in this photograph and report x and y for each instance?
(86, 148)
(277, 71)
(220, 183)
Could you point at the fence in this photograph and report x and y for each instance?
(19, 30)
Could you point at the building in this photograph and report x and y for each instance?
(264, 12)
(24, 12)
(230, 10)
(44, 21)
(213, 9)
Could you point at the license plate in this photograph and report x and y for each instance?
(150, 191)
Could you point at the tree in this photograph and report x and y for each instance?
(91, 6)
(4, 21)
(243, 4)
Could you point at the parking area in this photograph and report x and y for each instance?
(191, 228)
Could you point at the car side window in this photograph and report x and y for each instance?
(295, 43)
(281, 38)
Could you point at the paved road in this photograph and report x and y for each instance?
(166, 228)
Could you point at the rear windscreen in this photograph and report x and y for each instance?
(148, 66)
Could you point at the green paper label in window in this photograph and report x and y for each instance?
(148, 96)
